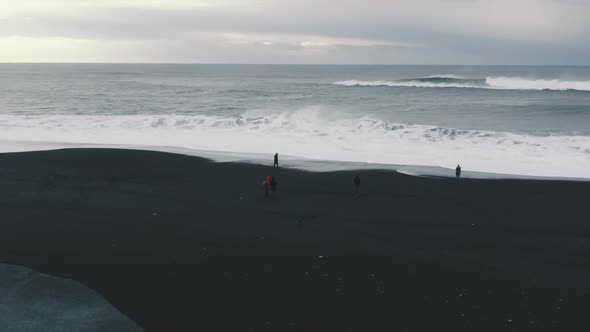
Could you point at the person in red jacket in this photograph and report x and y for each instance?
(266, 184)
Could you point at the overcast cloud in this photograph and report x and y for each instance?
(296, 31)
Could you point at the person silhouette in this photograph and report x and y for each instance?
(276, 163)
(458, 172)
(273, 187)
(357, 184)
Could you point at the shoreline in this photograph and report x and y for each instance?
(179, 243)
(311, 165)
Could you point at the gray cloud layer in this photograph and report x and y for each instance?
(297, 31)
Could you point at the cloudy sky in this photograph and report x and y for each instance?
(297, 31)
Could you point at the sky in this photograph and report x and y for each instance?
(518, 32)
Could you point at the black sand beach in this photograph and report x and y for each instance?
(178, 243)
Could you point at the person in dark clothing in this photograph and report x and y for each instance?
(458, 172)
(276, 164)
(273, 187)
(357, 184)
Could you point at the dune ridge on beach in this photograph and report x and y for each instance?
(180, 243)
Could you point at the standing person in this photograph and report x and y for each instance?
(266, 186)
(276, 164)
(458, 172)
(357, 184)
(273, 187)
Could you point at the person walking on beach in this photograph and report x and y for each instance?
(458, 172)
(357, 184)
(273, 187)
(276, 164)
(266, 184)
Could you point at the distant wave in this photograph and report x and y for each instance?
(447, 76)
(498, 83)
(517, 83)
(309, 133)
(437, 82)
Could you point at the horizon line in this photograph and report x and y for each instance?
(283, 64)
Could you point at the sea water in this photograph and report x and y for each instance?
(497, 119)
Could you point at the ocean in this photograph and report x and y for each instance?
(518, 120)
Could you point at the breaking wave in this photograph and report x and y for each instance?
(498, 83)
(516, 83)
(308, 133)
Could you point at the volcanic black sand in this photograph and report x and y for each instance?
(178, 243)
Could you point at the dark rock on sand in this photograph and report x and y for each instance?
(31, 301)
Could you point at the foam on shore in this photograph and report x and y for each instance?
(288, 161)
(312, 134)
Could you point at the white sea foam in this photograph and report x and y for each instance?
(498, 83)
(309, 133)
(517, 83)
(408, 84)
(452, 76)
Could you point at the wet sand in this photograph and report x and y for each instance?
(178, 243)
